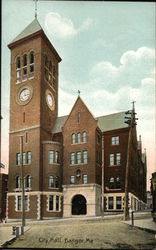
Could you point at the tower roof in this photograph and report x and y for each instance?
(32, 28)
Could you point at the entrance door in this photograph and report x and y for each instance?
(79, 205)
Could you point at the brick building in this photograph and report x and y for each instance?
(3, 194)
(63, 156)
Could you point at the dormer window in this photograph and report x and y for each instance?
(31, 69)
(25, 67)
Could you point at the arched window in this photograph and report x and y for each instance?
(78, 138)
(18, 182)
(111, 183)
(18, 69)
(73, 138)
(31, 69)
(28, 181)
(84, 136)
(57, 182)
(118, 183)
(51, 181)
(24, 67)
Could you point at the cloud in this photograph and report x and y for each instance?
(62, 27)
(134, 67)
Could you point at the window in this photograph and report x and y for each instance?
(24, 158)
(26, 137)
(57, 157)
(51, 202)
(57, 182)
(57, 203)
(73, 138)
(78, 138)
(118, 202)
(29, 157)
(72, 179)
(85, 157)
(31, 69)
(19, 203)
(111, 159)
(51, 156)
(50, 73)
(51, 181)
(28, 181)
(18, 159)
(78, 174)
(118, 183)
(98, 139)
(111, 183)
(78, 117)
(18, 69)
(118, 157)
(18, 182)
(24, 67)
(26, 202)
(110, 202)
(78, 156)
(72, 158)
(115, 140)
(85, 179)
(84, 136)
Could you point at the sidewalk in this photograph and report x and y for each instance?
(146, 224)
(6, 234)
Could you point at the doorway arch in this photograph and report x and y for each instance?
(79, 205)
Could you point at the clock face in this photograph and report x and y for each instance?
(50, 100)
(24, 94)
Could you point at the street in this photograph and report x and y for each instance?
(101, 234)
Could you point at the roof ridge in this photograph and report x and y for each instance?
(111, 114)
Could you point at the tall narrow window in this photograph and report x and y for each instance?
(57, 182)
(24, 158)
(72, 179)
(73, 138)
(51, 181)
(118, 202)
(26, 137)
(29, 157)
(31, 69)
(84, 136)
(78, 138)
(51, 156)
(118, 183)
(85, 157)
(25, 67)
(78, 117)
(50, 73)
(19, 203)
(57, 203)
(18, 182)
(110, 202)
(115, 140)
(118, 158)
(51, 202)
(111, 183)
(28, 181)
(57, 157)
(111, 159)
(85, 179)
(18, 159)
(78, 156)
(72, 158)
(18, 69)
(26, 202)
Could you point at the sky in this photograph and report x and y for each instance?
(107, 51)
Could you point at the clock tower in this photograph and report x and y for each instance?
(33, 112)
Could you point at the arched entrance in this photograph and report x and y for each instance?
(79, 206)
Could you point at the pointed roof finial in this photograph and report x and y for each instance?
(133, 105)
(79, 92)
(35, 8)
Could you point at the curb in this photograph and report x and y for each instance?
(4, 245)
(146, 229)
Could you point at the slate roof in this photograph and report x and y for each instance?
(105, 123)
(32, 28)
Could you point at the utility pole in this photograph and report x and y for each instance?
(22, 179)
(131, 121)
(102, 175)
